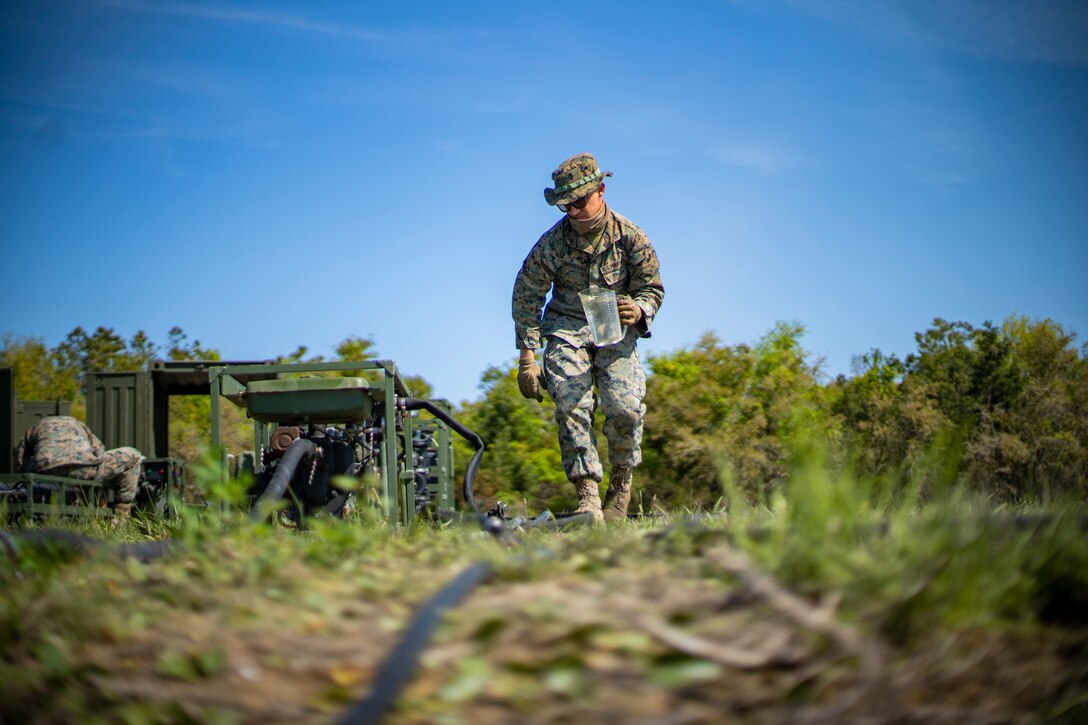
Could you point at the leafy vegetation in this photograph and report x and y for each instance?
(840, 597)
(1004, 407)
(1004, 404)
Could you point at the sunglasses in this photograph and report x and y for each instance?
(579, 203)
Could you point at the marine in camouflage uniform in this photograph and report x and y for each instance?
(60, 445)
(590, 246)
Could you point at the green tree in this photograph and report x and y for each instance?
(972, 370)
(190, 415)
(1014, 396)
(42, 373)
(103, 351)
(1034, 443)
(180, 350)
(355, 347)
(736, 410)
(522, 461)
(889, 420)
(362, 348)
(37, 374)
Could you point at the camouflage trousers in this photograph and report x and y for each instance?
(571, 372)
(120, 468)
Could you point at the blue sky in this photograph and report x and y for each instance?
(266, 175)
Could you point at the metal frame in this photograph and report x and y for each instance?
(81, 498)
(397, 476)
(57, 490)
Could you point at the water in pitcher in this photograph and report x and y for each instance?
(603, 315)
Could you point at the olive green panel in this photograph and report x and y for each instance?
(119, 411)
(303, 400)
(7, 419)
(29, 412)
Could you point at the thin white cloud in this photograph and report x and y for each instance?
(180, 77)
(447, 42)
(449, 146)
(254, 17)
(1042, 31)
(944, 182)
(514, 103)
(764, 160)
(60, 122)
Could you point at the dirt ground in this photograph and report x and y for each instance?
(613, 636)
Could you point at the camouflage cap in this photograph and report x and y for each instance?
(574, 178)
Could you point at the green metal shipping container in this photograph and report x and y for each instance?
(119, 413)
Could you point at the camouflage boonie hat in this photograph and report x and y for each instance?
(574, 178)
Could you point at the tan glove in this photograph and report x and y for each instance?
(529, 380)
(630, 313)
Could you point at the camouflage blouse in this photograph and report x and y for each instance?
(565, 263)
(55, 444)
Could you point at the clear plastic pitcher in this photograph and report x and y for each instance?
(603, 315)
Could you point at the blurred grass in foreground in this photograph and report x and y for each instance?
(908, 567)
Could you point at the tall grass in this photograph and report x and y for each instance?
(927, 554)
(907, 560)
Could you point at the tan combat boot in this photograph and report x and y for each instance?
(589, 498)
(121, 514)
(618, 495)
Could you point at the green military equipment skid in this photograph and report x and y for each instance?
(364, 439)
(36, 496)
(320, 425)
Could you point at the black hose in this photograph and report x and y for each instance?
(473, 465)
(395, 672)
(73, 542)
(146, 551)
(9, 545)
(281, 479)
